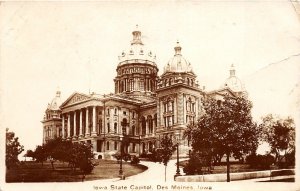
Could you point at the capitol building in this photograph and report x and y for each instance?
(144, 107)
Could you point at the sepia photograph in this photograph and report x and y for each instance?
(149, 95)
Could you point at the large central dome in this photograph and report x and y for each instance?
(137, 51)
(178, 63)
(136, 71)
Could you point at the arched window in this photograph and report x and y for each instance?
(192, 82)
(188, 81)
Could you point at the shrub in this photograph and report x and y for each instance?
(196, 163)
(260, 161)
(135, 160)
(126, 156)
(290, 159)
(86, 166)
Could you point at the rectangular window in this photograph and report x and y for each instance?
(173, 121)
(133, 147)
(169, 121)
(100, 126)
(124, 112)
(108, 127)
(107, 145)
(115, 127)
(116, 145)
(165, 121)
(172, 106)
(99, 145)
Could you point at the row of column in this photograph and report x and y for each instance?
(149, 123)
(134, 84)
(87, 129)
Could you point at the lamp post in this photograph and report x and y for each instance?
(139, 145)
(177, 145)
(123, 124)
(121, 170)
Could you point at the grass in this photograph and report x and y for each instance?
(234, 167)
(36, 172)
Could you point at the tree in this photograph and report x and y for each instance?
(280, 134)
(40, 154)
(226, 127)
(57, 149)
(13, 149)
(164, 153)
(30, 153)
(81, 156)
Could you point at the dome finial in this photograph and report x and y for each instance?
(177, 48)
(136, 36)
(232, 70)
(58, 92)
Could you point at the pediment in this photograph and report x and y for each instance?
(226, 91)
(75, 98)
(223, 91)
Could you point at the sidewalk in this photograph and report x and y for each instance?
(267, 179)
(155, 172)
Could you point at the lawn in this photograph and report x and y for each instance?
(234, 167)
(36, 172)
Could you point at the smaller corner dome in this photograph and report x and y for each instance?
(56, 102)
(178, 63)
(233, 82)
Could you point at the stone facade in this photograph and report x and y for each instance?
(143, 108)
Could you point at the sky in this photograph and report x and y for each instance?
(74, 46)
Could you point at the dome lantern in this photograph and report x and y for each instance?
(137, 37)
(232, 70)
(177, 49)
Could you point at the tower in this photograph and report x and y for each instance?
(137, 70)
(52, 124)
(178, 97)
